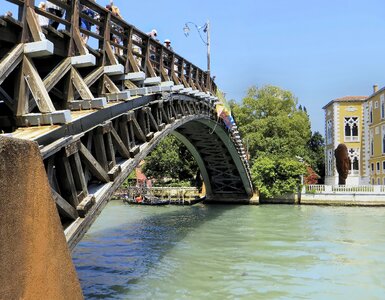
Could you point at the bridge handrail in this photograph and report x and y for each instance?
(149, 55)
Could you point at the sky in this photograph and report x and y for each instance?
(318, 50)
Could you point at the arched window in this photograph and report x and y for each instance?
(351, 129)
(354, 156)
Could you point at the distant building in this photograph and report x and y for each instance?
(375, 106)
(345, 123)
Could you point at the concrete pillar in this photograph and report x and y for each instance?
(35, 261)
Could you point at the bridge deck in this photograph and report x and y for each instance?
(97, 109)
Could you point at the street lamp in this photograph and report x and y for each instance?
(206, 29)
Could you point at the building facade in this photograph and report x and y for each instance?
(345, 124)
(359, 123)
(375, 106)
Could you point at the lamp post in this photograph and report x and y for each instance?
(206, 29)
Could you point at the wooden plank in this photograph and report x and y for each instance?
(152, 120)
(138, 131)
(11, 104)
(110, 54)
(164, 74)
(66, 183)
(11, 61)
(33, 24)
(84, 207)
(94, 166)
(100, 151)
(123, 129)
(121, 147)
(150, 68)
(37, 87)
(80, 86)
(64, 208)
(57, 73)
(91, 78)
(22, 93)
(79, 41)
(55, 147)
(109, 85)
(77, 171)
(110, 151)
(50, 170)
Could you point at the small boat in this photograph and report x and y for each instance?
(145, 200)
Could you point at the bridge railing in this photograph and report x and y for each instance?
(130, 47)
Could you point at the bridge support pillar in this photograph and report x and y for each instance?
(35, 260)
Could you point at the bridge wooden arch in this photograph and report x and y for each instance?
(96, 112)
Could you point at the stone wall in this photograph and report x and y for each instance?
(35, 261)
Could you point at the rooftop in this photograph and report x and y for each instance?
(347, 99)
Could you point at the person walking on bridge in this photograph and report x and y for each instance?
(57, 11)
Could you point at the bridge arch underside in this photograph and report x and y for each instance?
(86, 168)
(222, 171)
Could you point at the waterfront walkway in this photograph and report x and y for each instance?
(362, 195)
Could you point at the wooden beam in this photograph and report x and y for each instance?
(110, 54)
(8, 100)
(77, 171)
(138, 131)
(66, 183)
(109, 85)
(11, 61)
(110, 151)
(80, 86)
(57, 73)
(91, 78)
(33, 24)
(100, 151)
(22, 92)
(64, 208)
(79, 41)
(152, 120)
(37, 87)
(150, 68)
(93, 165)
(121, 147)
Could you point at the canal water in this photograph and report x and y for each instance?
(233, 252)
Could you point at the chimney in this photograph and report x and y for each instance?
(375, 88)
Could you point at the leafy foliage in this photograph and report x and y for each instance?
(170, 159)
(270, 123)
(276, 176)
(316, 147)
(278, 137)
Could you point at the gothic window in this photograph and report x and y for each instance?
(351, 129)
(382, 101)
(330, 163)
(329, 132)
(354, 156)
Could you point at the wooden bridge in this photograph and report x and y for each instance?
(97, 109)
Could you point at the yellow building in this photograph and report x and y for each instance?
(345, 124)
(376, 136)
(359, 123)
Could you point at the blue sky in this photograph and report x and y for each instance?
(319, 50)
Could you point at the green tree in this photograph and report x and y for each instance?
(270, 122)
(277, 134)
(170, 159)
(274, 176)
(316, 147)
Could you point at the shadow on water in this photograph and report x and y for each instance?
(111, 262)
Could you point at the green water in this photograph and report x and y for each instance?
(234, 252)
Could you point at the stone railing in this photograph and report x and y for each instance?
(317, 189)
